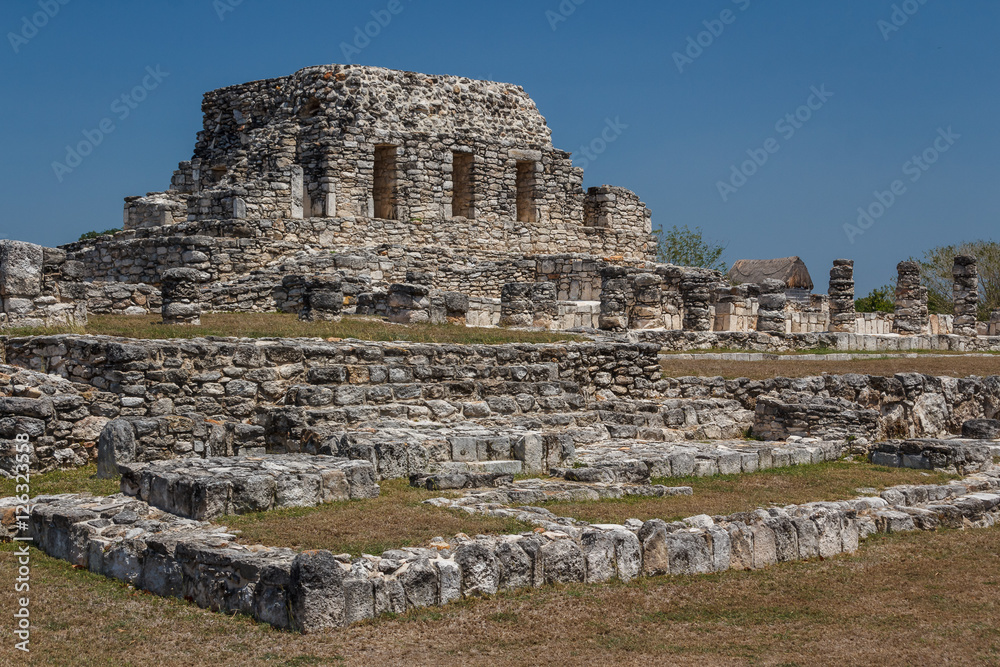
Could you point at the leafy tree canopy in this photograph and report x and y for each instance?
(688, 247)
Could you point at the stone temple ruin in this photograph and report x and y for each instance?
(345, 190)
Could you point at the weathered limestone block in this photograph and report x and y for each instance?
(771, 314)
(116, 445)
(180, 289)
(480, 569)
(316, 592)
(911, 300)
(981, 429)
(842, 315)
(322, 299)
(966, 295)
(206, 488)
(20, 269)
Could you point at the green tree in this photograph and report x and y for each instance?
(687, 247)
(879, 300)
(935, 271)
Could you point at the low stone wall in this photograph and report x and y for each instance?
(754, 341)
(207, 488)
(955, 456)
(153, 550)
(209, 397)
(907, 405)
(63, 419)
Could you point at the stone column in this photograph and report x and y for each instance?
(911, 300)
(697, 293)
(966, 294)
(543, 304)
(842, 315)
(614, 299)
(771, 307)
(180, 290)
(515, 305)
(409, 304)
(647, 311)
(322, 299)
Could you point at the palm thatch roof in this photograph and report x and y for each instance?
(790, 270)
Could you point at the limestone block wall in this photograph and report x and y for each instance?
(153, 550)
(155, 210)
(908, 405)
(230, 379)
(32, 293)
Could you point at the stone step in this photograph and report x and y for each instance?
(481, 467)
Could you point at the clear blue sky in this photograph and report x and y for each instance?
(892, 90)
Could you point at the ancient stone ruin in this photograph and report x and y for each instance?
(358, 191)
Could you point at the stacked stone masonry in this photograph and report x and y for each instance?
(126, 539)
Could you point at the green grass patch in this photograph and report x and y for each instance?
(77, 480)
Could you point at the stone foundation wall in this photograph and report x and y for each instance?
(908, 405)
(156, 551)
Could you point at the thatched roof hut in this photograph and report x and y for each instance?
(790, 270)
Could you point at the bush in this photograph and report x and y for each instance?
(879, 300)
(93, 235)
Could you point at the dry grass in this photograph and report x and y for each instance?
(283, 325)
(395, 519)
(726, 494)
(913, 599)
(953, 365)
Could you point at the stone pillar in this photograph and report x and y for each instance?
(842, 316)
(647, 311)
(515, 305)
(528, 304)
(697, 293)
(911, 301)
(771, 307)
(409, 304)
(994, 326)
(543, 304)
(180, 290)
(614, 299)
(322, 299)
(966, 294)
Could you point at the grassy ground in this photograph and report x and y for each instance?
(78, 480)
(283, 325)
(912, 599)
(726, 494)
(395, 519)
(953, 365)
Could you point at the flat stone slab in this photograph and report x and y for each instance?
(624, 460)
(205, 488)
(955, 456)
(527, 491)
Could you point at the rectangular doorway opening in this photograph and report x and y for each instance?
(462, 203)
(526, 192)
(384, 190)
